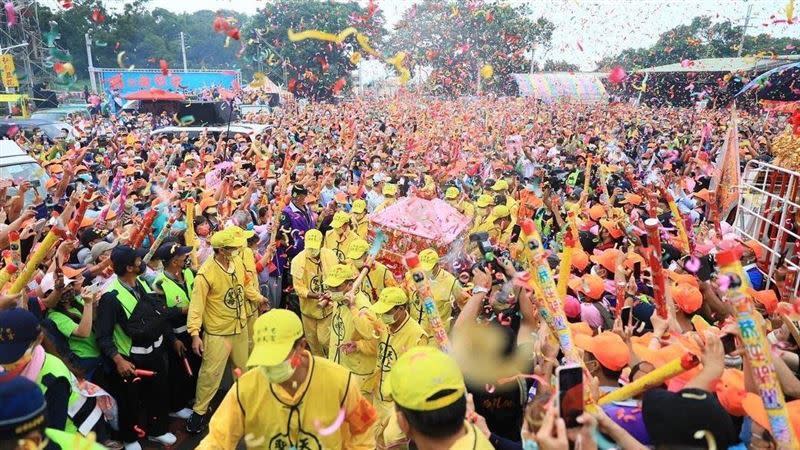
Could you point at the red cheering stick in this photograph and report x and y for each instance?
(141, 231)
(75, 223)
(187, 366)
(144, 373)
(654, 242)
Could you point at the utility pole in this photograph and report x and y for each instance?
(744, 29)
(92, 79)
(183, 52)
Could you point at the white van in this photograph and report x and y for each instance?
(17, 165)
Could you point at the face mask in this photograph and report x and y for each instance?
(142, 268)
(388, 318)
(313, 252)
(280, 373)
(203, 230)
(376, 165)
(338, 297)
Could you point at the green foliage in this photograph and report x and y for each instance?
(146, 36)
(312, 67)
(700, 39)
(455, 39)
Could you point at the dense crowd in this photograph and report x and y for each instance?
(163, 268)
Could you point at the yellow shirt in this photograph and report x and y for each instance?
(473, 440)
(361, 226)
(446, 289)
(338, 243)
(307, 277)
(218, 299)
(248, 258)
(464, 207)
(378, 278)
(357, 324)
(386, 203)
(390, 347)
(267, 417)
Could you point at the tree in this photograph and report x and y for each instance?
(560, 66)
(313, 68)
(699, 39)
(146, 36)
(455, 39)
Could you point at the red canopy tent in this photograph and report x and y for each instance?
(155, 95)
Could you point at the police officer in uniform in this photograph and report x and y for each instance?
(132, 331)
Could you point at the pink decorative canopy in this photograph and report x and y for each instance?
(429, 219)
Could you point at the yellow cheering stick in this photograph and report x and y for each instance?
(655, 378)
(189, 235)
(759, 354)
(673, 208)
(35, 259)
(551, 302)
(570, 240)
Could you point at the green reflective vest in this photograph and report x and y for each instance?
(70, 441)
(174, 293)
(77, 401)
(128, 302)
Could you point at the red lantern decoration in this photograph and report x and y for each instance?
(164, 68)
(233, 33)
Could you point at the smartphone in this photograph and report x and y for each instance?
(625, 315)
(570, 393)
(728, 343)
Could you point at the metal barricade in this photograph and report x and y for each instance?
(768, 212)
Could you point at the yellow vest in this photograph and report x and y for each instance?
(379, 278)
(473, 440)
(443, 289)
(361, 227)
(308, 276)
(390, 347)
(346, 327)
(272, 419)
(334, 241)
(218, 299)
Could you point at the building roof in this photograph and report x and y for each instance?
(746, 64)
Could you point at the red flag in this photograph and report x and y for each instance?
(725, 181)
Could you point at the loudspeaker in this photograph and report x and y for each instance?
(208, 113)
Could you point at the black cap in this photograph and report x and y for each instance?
(171, 250)
(22, 409)
(672, 418)
(124, 256)
(298, 189)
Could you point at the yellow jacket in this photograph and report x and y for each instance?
(473, 440)
(390, 347)
(307, 277)
(446, 290)
(218, 299)
(361, 226)
(338, 243)
(357, 324)
(378, 278)
(248, 258)
(267, 417)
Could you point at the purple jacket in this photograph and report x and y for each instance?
(298, 221)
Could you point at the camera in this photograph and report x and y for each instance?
(490, 255)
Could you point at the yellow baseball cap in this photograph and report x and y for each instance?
(500, 211)
(241, 233)
(357, 249)
(226, 238)
(500, 185)
(339, 219)
(484, 200)
(313, 239)
(359, 206)
(274, 335)
(390, 189)
(388, 299)
(428, 258)
(425, 379)
(451, 193)
(339, 274)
